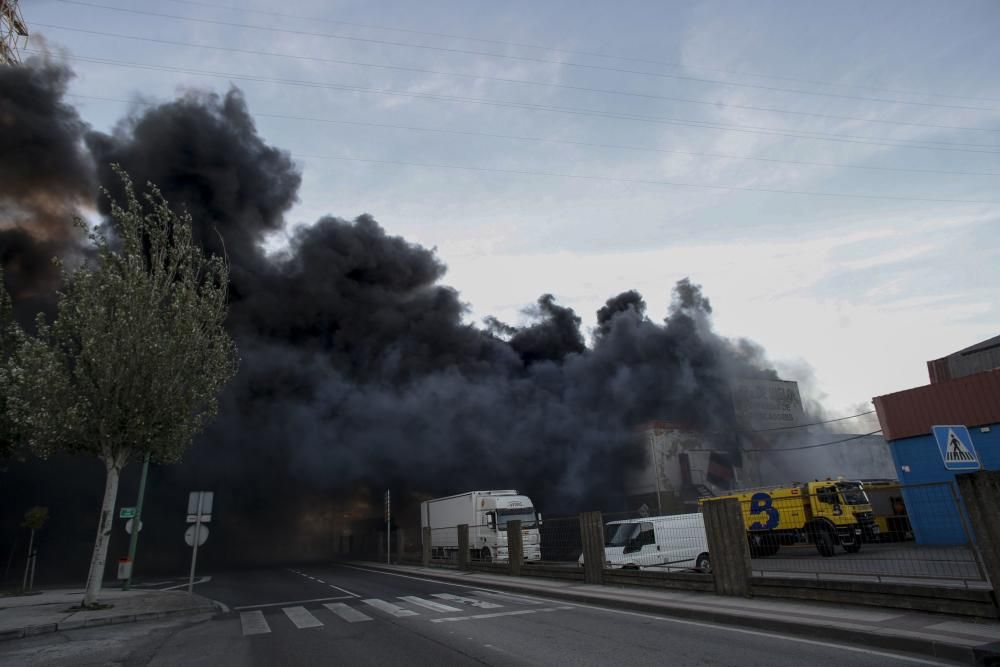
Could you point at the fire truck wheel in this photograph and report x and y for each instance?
(853, 548)
(704, 564)
(826, 542)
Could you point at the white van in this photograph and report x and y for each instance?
(664, 542)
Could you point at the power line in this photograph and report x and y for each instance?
(828, 421)
(570, 142)
(750, 129)
(596, 54)
(641, 181)
(604, 91)
(518, 58)
(819, 444)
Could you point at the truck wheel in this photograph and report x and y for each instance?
(486, 556)
(826, 542)
(704, 564)
(853, 548)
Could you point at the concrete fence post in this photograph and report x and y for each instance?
(515, 548)
(727, 546)
(425, 546)
(592, 538)
(463, 546)
(400, 542)
(981, 496)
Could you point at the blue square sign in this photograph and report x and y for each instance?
(957, 450)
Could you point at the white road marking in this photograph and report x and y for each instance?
(428, 604)
(759, 633)
(511, 599)
(482, 604)
(497, 614)
(301, 617)
(321, 581)
(349, 614)
(253, 623)
(389, 608)
(344, 590)
(200, 580)
(289, 602)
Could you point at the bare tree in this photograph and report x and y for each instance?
(136, 356)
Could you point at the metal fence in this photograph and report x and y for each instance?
(914, 534)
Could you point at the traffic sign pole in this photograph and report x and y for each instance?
(137, 522)
(194, 546)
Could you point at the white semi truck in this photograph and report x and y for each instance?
(487, 513)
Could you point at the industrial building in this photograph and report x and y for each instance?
(940, 430)
(771, 444)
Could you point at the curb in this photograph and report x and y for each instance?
(982, 654)
(48, 628)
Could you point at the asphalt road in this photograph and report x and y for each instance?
(342, 615)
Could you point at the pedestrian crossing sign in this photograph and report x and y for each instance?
(956, 448)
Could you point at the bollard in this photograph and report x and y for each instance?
(425, 546)
(515, 548)
(980, 493)
(727, 546)
(463, 546)
(592, 537)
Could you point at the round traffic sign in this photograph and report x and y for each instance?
(128, 526)
(202, 535)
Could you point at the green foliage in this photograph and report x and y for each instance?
(35, 518)
(137, 354)
(10, 339)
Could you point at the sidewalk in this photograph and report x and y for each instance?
(49, 611)
(946, 637)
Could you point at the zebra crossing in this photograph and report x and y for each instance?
(435, 605)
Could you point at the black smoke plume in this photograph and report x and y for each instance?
(358, 370)
(46, 175)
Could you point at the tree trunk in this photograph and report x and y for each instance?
(100, 555)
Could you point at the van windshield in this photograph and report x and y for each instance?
(526, 515)
(629, 534)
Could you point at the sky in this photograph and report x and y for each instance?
(826, 171)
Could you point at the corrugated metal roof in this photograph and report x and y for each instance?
(984, 345)
(973, 400)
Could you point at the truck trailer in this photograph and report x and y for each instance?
(487, 513)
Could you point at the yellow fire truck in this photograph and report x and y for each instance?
(826, 513)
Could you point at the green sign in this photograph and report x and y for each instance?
(126, 513)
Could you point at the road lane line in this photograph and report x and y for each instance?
(498, 614)
(349, 614)
(301, 618)
(902, 657)
(321, 581)
(427, 604)
(253, 623)
(389, 608)
(482, 604)
(511, 599)
(289, 602)
(344, 590)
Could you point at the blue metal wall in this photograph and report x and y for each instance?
(932, 510)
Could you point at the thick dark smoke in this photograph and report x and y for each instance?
(46, 175)
(358, 369)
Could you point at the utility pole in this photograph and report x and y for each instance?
(388, 533)
(136, 522)
(13, 32)
(656, 475)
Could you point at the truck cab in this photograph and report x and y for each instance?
(845, 505)
(490, 536)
